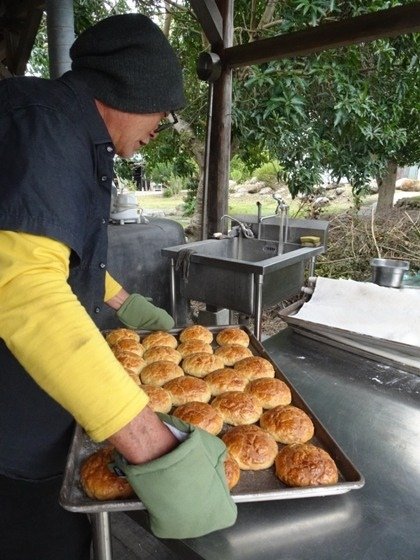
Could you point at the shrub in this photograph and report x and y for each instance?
(268, 173)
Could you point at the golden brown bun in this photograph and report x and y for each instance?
(131, 363)
(255, 367)
(232, 471)
(159, 373)
(251, 447)
(120, 334)
(160, 399)
(269, 392)
(304, 464)
(224, 380)
(201, 364)
(287, 424)
(232, 336)
(193, 347)
(186, 389)
(232, 353)
(237, 408)
(200, 414)
(99, 482)
(128, 345)
(196, 332)
(162, 353)
(159, 338)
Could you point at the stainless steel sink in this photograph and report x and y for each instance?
(240, 274)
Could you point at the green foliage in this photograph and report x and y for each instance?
(349, 111)
(238, 170)
(268, 173)
(191, 197)
(123, 169)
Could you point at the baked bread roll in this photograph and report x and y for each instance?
(99, 482)
(202, 415)
(304, 464)
(131, 363)
(159, 373)
(193, 347)
(128, 345)
(162, 353)
(186, 389)
(269, 392)
(120, 334)
(255, 367)
(196, 332)
(159, 338)
(200, 364)
(233, 335)
(251, 447)
(232, 353)
(237, 408)
(287, 424)
(160, 399)
(224, 380)
(232, 471)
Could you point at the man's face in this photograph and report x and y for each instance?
(129, 131)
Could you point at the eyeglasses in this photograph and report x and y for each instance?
(169, 121)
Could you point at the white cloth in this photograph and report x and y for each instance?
(365, 308)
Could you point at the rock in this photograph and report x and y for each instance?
(266, 190)
(254, 187)
(340, 190)
(321, 201)
(405, 184)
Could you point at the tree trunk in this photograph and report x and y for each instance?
(386, 185)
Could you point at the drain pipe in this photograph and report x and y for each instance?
(60, 32)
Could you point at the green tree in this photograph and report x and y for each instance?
(352, 111)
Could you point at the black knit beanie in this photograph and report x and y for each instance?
(129, 65)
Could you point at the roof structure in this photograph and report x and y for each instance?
(19, 23)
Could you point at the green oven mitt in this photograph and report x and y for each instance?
(185, 491)
(138, 313)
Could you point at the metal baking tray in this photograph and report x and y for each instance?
(393, 353)
(254, 486)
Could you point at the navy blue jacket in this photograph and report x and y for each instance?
(56, 167)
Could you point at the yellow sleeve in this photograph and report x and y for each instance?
(50, 333)
(111, 287)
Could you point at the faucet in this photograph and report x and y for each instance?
(282, 212)
(243, 228)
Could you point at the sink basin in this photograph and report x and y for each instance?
(255, 256)
(237, 273)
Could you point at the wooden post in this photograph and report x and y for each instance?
(219, 141)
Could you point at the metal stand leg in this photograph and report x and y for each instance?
(173, 291)
(258, 283)
(102, 549)
(312, 266)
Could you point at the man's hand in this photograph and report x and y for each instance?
(145, 438)
(185, 491)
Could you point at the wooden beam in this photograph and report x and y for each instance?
(26, 40)
(360, 29)
(218, 148)
(210, 19)
(4, 72)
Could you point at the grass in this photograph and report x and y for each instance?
(246, 204)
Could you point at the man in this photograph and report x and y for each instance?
(58, 139)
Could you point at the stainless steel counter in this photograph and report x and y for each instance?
(373, 412)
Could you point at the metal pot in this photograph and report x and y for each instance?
(388, 272)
